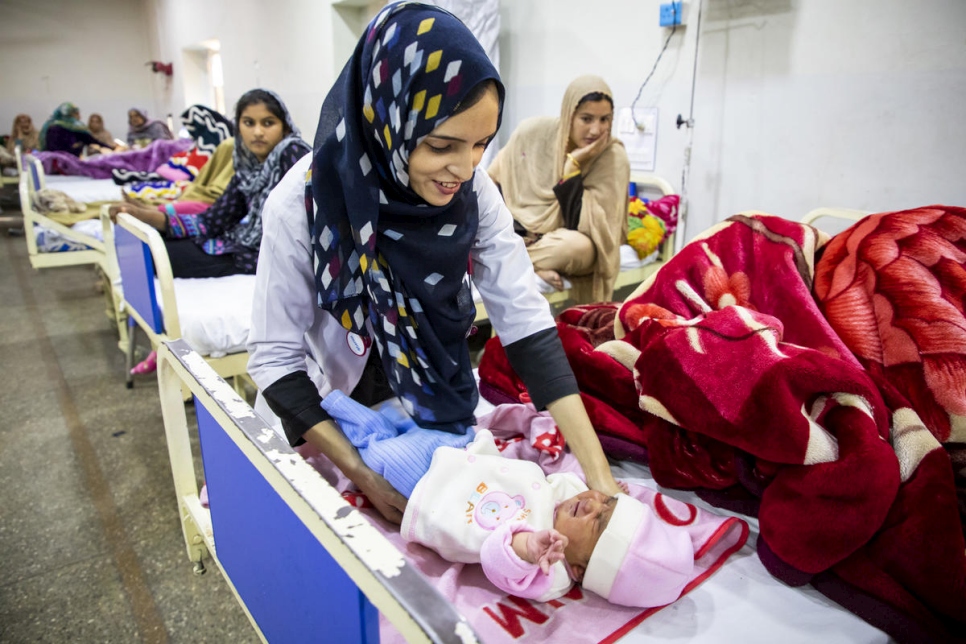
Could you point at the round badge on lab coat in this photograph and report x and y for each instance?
(357, 344)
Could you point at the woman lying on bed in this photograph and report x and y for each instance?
(199, 174)
(143, 131)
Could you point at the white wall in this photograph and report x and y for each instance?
(91, 53)
(798, 103)
(284, 45)
(856, 104)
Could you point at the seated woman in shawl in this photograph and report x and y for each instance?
(65, 132)
(143, 132)
(224, 239)
(565, 181)
(105, 140)
(24, 134)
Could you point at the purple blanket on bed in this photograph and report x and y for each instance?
(99, 167)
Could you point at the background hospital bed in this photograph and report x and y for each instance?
(834, 220)
(32, 180)
(6, 179)
(93, 251)
(212, 314)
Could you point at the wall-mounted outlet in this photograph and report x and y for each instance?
(672, 14)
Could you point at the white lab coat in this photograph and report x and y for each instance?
(290, 333)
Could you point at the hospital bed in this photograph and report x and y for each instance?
(305, 565)
(212, 314)
(835, 219)
(76, 248)
(6, 179)
(633, 271)
(52, 244)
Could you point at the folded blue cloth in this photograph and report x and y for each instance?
(389, 441)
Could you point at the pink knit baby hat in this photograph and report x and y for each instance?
(639, 560)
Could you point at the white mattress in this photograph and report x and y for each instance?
(215, 313)
(85, 189)
(630, 260)
(742, 602)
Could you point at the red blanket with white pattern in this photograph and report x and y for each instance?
(725, 374)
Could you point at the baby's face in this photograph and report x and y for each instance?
(582, 519)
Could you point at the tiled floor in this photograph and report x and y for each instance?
(90, 543)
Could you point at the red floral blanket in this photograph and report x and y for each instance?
(724, 373)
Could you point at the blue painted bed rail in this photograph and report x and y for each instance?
(303, 563)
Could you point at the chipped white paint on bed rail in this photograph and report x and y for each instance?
(465, 633)
(345, 521)
(218, 389)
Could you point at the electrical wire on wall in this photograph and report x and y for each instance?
(686, 167)
(640, 126)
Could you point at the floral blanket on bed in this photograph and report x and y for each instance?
(809, 382)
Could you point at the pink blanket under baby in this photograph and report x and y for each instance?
(579, 616)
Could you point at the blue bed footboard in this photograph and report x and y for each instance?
(303, 563)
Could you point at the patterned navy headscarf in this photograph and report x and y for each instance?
(379, 248)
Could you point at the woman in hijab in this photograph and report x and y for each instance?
(224, 239)
(142, 132)
(370, 245)
(23, 134)
(565, 181)
(65, 132)
(95, 123)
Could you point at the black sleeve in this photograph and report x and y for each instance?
(296, 401)
(570, 194)
(541, 363)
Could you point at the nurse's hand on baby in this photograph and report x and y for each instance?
(544, 547)
(383, 496)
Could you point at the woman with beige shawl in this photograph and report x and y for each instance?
(565, 181)
(23, 134)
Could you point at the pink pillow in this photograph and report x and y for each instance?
(171, 173)
(667, 209)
